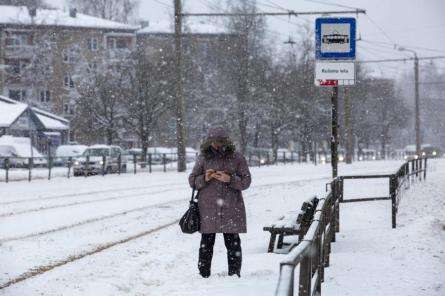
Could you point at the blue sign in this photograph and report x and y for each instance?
(335, 38)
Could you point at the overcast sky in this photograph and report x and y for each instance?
(415, 24)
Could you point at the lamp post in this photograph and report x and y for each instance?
(416, 97)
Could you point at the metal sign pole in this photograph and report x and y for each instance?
(334, 137)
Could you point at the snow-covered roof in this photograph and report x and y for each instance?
(70, 150)
(19, 15)
(10, 110)
(40, 111)
(99, 146)
(50, 123)
(200, 27)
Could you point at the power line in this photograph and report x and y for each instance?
(381, 30)
(395, 45)
(276, 5)
(381, 50)
(400, 60)
(331, 4)
(162, 3)
(289, 13)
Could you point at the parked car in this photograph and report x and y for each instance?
(18, 150)
(63, 152)
(95, 165)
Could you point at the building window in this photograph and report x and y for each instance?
(92, 44)
(45, 96)
(17, 94)
(69, 56)
(68, 109)
(118, 43)
(17, 40)
(68, 81)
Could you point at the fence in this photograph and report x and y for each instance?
(64, 166)
(68, 166)
(312, 253)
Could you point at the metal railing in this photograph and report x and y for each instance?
(311, 254)
(398, 182)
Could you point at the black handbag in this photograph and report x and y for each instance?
(190, 222)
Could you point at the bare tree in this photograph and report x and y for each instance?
(150, 93)
(102, 87)
(115, 10)
(27, 3)
(251, 30)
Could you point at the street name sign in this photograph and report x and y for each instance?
(335, 38)
(334, 73)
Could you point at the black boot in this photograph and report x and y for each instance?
(206, 254)
(234, 254)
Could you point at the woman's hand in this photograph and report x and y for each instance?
(209, 175)
(221, 176)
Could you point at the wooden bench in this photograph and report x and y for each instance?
(293, 223)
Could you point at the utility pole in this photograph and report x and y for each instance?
(334, 137)
(416, 94)
(180, 105)
(348, 129)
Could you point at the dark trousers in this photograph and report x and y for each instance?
(234, 255)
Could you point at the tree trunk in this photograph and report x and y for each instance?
(274, 139)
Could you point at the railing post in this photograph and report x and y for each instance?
(7, 169)
(424, 169)
(104, 159)
(417, 168)
(134, 163)
(70, 163)
(284, 157)
(420, 168)
(392, 190)
(87, 164)
(149, 162)
(305, 276)
(30, 164)
(119, 163)
(164, 161)
(50, 164)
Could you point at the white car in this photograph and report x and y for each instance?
(64, 152)
(95, 165)
(19, 154)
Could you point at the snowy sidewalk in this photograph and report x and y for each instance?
(371, 258)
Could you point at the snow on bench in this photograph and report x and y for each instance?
(293, 223)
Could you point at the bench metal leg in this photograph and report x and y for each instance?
(273, 236)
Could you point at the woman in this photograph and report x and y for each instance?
(220, 174)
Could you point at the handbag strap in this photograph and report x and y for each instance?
(193, 194)
(193, 191)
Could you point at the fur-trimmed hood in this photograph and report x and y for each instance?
(227, 149)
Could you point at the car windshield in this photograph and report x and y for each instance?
(96, 152)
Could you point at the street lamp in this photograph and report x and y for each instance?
(416, 96)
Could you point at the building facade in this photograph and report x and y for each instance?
(40, 49)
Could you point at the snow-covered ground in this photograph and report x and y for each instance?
(118, 235)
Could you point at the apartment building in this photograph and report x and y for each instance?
(40, 49)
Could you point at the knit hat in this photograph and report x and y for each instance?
(217, 133)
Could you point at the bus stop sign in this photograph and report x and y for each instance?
(335, 38)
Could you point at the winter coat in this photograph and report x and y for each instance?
(221, 205)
